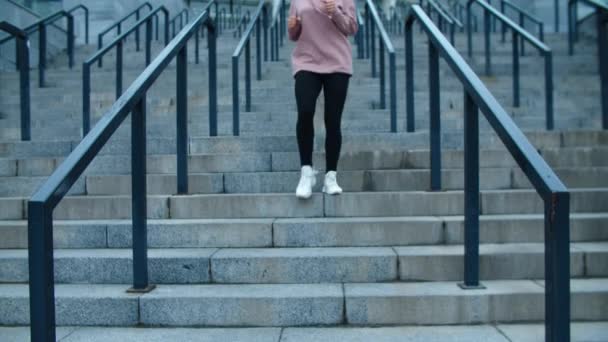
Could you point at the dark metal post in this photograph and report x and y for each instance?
(196, 46)
(373, 46)
(435, 120)
(148, 41)
(556, 6)
(86, 98)
(265, 23)
(487, 28)
(522, 24)
(549, 88)
(557, 267)
(70, 39)
(156, 29)
(137, 31)
(272, 44)
(86, 25)
(276, 45)
(138, 201)
(258, 49)
(504, 26)
(283, 21)
(118, 69)
(235, 95)
(515, 54)
(247, 77)
(602, 45)
(452, 33)
(382, 75)
(23, 62)
(41, 54)
(469, 31)
(182, 120)
(541, 30)
(42, 279)
(409, 77)
(393, 81)
(471, 193)
(367, 32)
(99, 46)
(571, 24)
(211, 42)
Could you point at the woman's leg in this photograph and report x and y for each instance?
(308, 86)
(335, 88)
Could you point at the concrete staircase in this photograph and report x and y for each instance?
(240, 254)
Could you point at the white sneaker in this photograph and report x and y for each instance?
(331, 186)
(308, 179)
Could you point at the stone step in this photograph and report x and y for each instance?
(306, 265)
(306, 232)
(305, 305)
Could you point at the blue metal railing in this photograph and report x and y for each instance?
(602, 45)
(460, 11)
(554, 194)
(242, 24)
(522, 16)
(258, 20)
(447, 11)
(276, 36)
(118, 42)
(442, 18)
(373, 22)
(180, 16)
(118, 26)
(518, 32)
(48, 196)
(40, 27)
(23, 64)
(360, 37)
(86, 20)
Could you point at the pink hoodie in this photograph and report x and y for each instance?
(322, 40)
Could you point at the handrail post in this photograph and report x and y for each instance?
(452, 33)
(166, 13)
(367, 32)
(541, 29)
(276, 45)
(235, 95)
(393, 81)
(23, 62)
(469, 31)
(42, 278)
(556, 7)
(137, 31)
(265, 23)
(148, 41)
(409, 76)
(118, 69)
(41, 54)
(196, 47)
(373, 47)
(549, 88)
(86, 98)
(571, 27)
(471, 194)
(156, 29)
(70, 39)
(504, 26)
(435, 120)
(99, 46)
(211, 43)
(522, 23)
(515, 53)
(557, 267)
(247, 77)
(283, 21)
(602, 37)
(382, 75)
(258, 48)
(182, 120)
(138, 201)
(86, 25)
(487, 27)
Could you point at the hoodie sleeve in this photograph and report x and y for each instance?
(294, 33)
(345, 17)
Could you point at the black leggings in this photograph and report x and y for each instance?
(308, 87)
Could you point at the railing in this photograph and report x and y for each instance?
(40, 27)
(442, 18)
(48, 196)
(23, 64)
(447, 11)
(242, 24)
(180, 16)
(460, 13)
(276, 38)
(518, 32)
(554, 194)
(118, 26)
(118, 42)
(360, 37)
(86, 20)
(373, 22)
(522, 15)
(602, 45)
(258, 20)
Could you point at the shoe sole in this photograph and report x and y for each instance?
(331, 193)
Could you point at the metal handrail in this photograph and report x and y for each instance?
(40, 27)
(546, 183)
(118, 43)
(179, 16)
(48, 196)
(276, 38)
(360, 37)
(522, 15)
(86, 20)
(118, 26)
(258, 20)
(373, 21)
(245, 19)
(442, 16)
(602, 46)
(445, 10)
(23, 64)
(460, 10)
(518, 32)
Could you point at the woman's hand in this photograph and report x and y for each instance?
(330, 6)
(293, 22)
